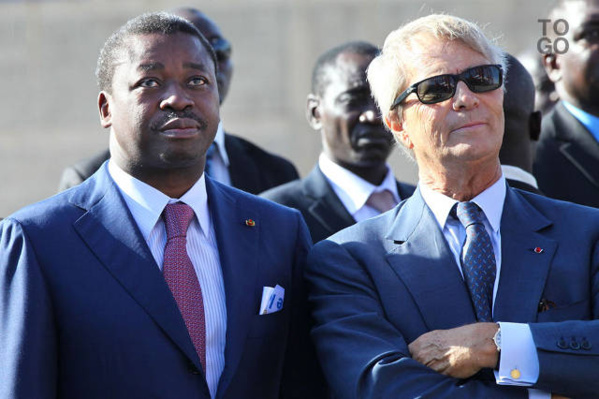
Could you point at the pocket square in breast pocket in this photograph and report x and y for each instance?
(272, 299)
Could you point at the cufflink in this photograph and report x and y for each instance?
(515, 374)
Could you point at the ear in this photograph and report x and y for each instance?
(104, 100)
(313, 111)
(552, 64)
(398, 130)
(534, 125)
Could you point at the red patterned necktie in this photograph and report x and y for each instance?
(181, 276)
(478, 259)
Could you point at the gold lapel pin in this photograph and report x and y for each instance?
(250, 222)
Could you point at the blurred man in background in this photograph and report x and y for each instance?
(352, 180)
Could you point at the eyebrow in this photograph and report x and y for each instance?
(153, 66)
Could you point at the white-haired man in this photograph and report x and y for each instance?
(468, 275)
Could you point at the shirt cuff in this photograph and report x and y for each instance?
(519, 362)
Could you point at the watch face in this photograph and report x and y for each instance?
(497, 339)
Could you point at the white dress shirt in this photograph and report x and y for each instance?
(219, 166)
(146, 205)
(517, 345)
(353, 191)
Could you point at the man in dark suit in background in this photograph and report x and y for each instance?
(468, 277)
(567, 159)
(352, 168)
(522, 127)
(149, 280)
(232, 160)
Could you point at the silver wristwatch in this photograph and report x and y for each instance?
(497, 338)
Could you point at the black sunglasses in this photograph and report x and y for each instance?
(479, 79)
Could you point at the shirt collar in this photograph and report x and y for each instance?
(490, 201)
(519, 174)
(354, 190)
(147, 203)
(219, 141)
(591, 122)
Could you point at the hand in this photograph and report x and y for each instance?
(555, 396)
(460, 352)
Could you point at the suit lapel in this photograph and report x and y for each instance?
(111, 233)
(523, 271)
(238, 250)
(578, 145)
(327, 208)
(422, 259)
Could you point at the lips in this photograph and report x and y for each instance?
(469, 126)
(374, 137)
(180, 128)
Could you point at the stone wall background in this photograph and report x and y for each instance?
(48, 51)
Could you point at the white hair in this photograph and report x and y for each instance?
(387, 73)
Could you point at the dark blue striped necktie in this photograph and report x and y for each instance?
(478, 259)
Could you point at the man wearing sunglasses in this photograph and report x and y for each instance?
(469, 288)
(231, 160)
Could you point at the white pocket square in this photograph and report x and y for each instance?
(272, 299)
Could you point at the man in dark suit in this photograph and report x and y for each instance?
(234, 161)
(522, 127)
(352, 166)
(150, 280)
(567, 159)
(468, 276)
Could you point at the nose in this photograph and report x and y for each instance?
(176, 98)
(370, 114)
(464, 98)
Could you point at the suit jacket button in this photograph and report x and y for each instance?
(193, 369)
(586, 345)
(562, 344)
(574, 344)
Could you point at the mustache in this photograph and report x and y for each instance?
(165, 117)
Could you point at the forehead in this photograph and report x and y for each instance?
(430, 56)
(174, 48)
(348, 71)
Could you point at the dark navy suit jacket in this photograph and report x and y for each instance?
(567, 159)
(85, 312)
(377, 286)
(321, 208)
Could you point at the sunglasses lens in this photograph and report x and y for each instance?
(483, 78)
(436, 89)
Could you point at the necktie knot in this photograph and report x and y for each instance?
(177, 218)
(382, 201)
(468, 213)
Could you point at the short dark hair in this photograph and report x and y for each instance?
(150, 23)
(319, 73)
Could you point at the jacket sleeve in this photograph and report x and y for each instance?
(363, 355)
(27, 331)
